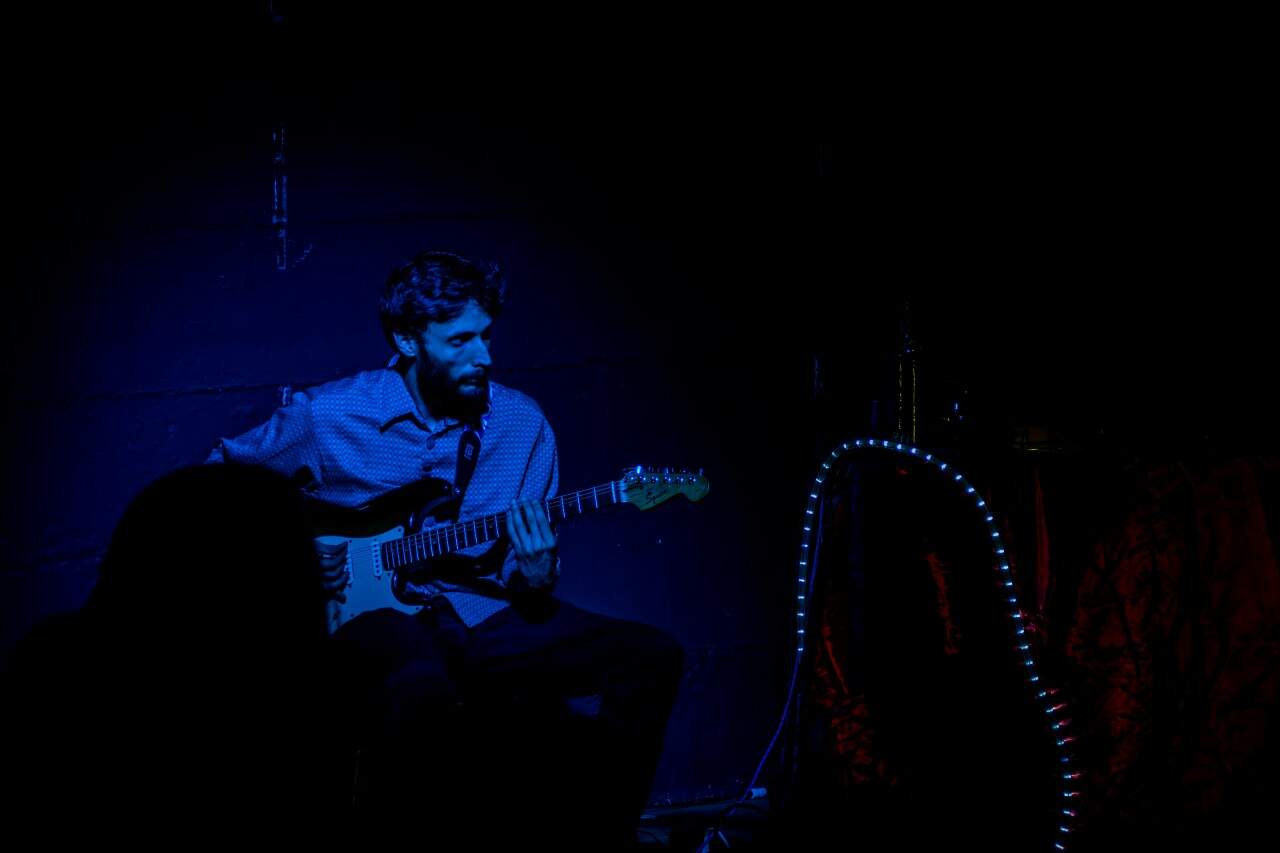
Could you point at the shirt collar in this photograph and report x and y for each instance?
(395, 403)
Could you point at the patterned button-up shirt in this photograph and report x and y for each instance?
(363, 436)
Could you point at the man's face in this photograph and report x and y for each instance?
(454, 364)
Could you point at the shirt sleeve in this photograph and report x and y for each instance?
(540, 482)
(285, 443)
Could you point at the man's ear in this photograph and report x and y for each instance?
(406, 345)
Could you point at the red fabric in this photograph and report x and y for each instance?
(1175, 644)
(852, 736)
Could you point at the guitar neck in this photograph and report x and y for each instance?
(477, 531)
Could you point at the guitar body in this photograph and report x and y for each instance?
(371, 584)
(411, 534)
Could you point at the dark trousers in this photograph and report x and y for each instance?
(545, 721)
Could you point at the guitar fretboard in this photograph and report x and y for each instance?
(446, 539)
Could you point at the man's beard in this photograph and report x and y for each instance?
(447, 397)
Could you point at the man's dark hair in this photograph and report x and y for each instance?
(435, 288)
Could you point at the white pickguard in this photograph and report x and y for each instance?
(368, 585)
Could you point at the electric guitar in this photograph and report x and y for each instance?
(398, 537)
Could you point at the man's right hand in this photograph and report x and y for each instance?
(333, 566)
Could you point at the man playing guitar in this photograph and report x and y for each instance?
(487, 634)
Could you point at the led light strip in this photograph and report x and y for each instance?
(1047, 698)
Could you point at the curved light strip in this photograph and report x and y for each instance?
(1047, 698)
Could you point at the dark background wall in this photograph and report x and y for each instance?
(704, 273)
(635, 318)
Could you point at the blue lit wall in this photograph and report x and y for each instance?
(153, 320)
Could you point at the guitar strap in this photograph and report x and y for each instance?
(468, 455)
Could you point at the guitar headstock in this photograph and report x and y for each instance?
(648, 487)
